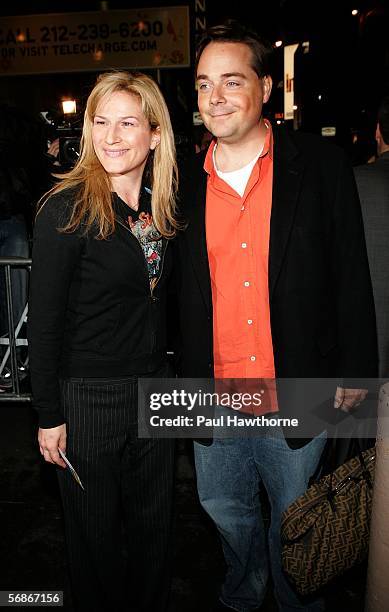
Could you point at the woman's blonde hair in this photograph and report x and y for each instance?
(93, 203)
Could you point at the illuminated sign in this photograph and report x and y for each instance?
(289, 51)
(75, 42)
(328, 131)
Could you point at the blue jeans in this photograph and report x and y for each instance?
(229, 473)
(13, 243)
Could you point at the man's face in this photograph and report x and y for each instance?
(230, 94)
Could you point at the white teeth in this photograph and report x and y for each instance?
(115, 153)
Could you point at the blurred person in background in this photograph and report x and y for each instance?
(101, 261)
(202, 137)
(373, 187)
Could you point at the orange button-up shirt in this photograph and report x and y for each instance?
(238, 233)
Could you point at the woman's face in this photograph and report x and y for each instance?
(122, 137)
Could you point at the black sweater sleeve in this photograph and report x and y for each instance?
(55, 257)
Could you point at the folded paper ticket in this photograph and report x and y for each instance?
(71, 468)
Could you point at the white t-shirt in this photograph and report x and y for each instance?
(237, 179)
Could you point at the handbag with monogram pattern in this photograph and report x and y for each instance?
(326, 530)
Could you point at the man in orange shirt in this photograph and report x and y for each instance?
(274, 281)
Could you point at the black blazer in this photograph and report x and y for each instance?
(321, 302)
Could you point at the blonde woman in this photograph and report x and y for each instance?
(101, 260)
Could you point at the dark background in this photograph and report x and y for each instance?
(347, 64)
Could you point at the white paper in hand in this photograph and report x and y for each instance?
(71, 468)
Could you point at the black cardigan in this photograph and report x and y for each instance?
(91, 310)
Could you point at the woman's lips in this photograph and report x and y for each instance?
(117, 153)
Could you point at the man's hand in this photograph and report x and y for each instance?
(347, 399)
(50, 440)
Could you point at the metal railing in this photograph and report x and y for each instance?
(12, 341)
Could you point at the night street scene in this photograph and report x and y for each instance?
(329, 67)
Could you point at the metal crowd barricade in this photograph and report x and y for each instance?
(13, 341)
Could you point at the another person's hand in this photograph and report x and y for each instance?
(53, 152)
(347, 399)
(53, 149)
(50, 440)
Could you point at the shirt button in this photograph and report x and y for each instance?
(253, 358)
(244, 245)
(250, 321)
(242, 207)
(246, 284)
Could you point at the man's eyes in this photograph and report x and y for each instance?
(228, 84)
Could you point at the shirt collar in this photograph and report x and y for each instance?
(267, 148)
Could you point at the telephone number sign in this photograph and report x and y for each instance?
(150, 38)
(83, 31)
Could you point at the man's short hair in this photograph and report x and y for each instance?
(235, 32)
(383, 119)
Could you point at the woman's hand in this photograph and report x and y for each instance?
(50, 440)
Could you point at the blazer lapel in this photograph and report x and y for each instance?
(195, 232)
(287, 176)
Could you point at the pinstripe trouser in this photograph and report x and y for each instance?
(128, 491)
